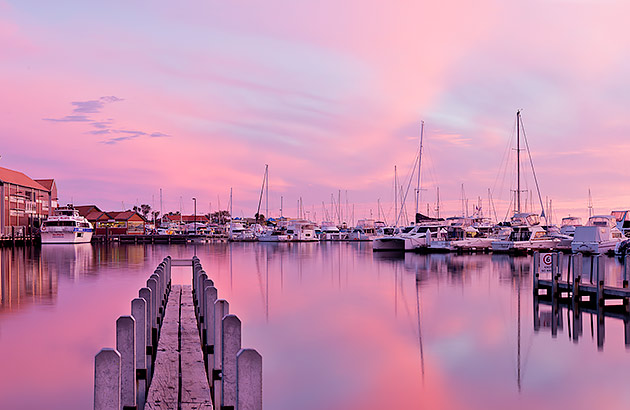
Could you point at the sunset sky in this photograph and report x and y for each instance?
(118, 99)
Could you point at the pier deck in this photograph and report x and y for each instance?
(179, 378)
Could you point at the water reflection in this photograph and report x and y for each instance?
(551, 311)
(339, 327)
(24, 279)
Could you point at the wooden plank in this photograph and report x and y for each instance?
(164, 389)
(181, 262)
(195, 387)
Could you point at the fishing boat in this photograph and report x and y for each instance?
(65, 225)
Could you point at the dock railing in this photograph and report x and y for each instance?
(174, 354)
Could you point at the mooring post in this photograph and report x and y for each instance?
(126, 346)
(159, 308)
(139, 311)
(231, 329)
(535, 272)
(201, 306)
(221, 308)
(600, 280)
(155, 320)
(107, 380)
(208, 336)
(145, 293)
(554, 275)
(249, 389)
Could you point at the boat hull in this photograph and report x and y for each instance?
(51, 237)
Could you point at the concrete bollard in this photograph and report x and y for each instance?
(126, 346)
(221, 308)
(231, 345)
(107, 380)
(249, 380)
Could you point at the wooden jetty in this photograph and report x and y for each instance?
(579, 292)
(179, 349)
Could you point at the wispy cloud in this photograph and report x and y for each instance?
(104, 127)
(70, 118)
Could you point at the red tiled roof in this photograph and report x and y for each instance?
(87, 209)
(98, 216)
(123, 215)
(18, 178)
(46, 183)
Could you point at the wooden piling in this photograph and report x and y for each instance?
(107, 380)
(231, 345)
(139, 312)
(535, 276)
(249, 380)
(126, 346)
(221, 308)
(211, 296)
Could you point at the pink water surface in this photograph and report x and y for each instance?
(338, 326)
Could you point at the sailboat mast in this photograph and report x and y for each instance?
(396, 195)
(419, 162)
(438, 202)
(267, 191)
(518, 161)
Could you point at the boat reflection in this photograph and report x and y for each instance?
(31, 275)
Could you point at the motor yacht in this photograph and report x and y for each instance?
(599, 235)
(527, 235)
(65, 225)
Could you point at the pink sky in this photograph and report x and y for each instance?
(118, 100)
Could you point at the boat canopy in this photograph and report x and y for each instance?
(602, 220)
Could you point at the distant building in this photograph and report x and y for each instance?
(24, 202)
(185, 219)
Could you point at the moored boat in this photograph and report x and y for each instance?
(65, 225)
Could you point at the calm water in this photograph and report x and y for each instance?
(338, 327)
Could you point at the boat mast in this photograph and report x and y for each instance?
(396, 195)
(438, 202)
(419, 162)
(518, 161)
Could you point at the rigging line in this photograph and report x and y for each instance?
(404, 199)
(529, 154)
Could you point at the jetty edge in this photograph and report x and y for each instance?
(179, 349)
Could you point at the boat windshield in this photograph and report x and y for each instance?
(60, 223)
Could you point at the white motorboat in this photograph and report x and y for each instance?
(364, 231)
(274, 235)
(330, 232)
(239, 233)
(65, 225)
(599, 235)
(302, 231)
(526, 235)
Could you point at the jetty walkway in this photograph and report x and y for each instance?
(179, 349)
